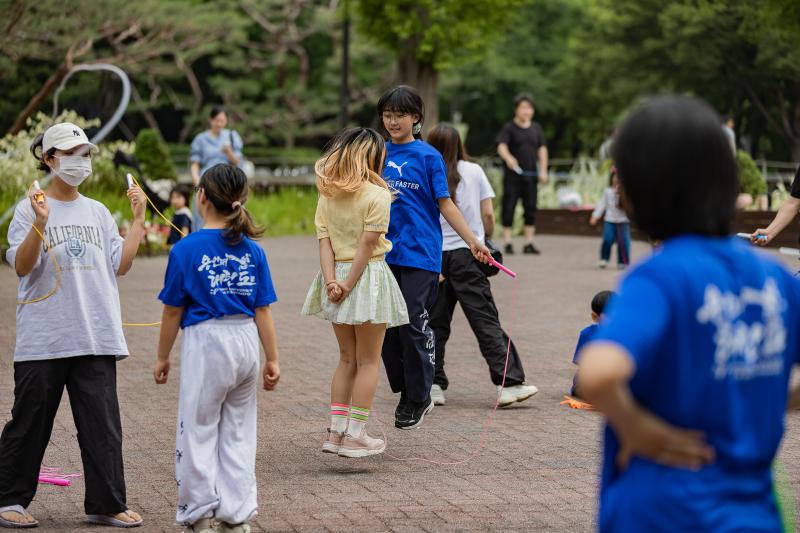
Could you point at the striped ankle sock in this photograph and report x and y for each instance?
(358, 419)
(339, 413)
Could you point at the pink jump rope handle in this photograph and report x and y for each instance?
(55, 481)
(501, 267)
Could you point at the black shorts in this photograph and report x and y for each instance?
(515, 188)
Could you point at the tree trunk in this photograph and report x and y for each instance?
(425, 79)
(796, 125)
(37, 100)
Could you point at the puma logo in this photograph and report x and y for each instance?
(399, 169)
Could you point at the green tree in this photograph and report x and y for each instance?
(429, 36)
(153, 156)
(155, 40)
(729, 52)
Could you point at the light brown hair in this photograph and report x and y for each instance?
(354, 156)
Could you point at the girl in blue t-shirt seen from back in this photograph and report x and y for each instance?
(218, 289)
(416, 172)
(691, 366)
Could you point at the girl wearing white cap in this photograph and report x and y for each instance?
(71, 337)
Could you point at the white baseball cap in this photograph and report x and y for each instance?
(65, 136)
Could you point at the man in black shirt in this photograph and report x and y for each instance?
(520, 144)
(783, 217)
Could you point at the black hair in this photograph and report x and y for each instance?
(726, 118)
(402, 99)
(676, 169)
(36, 151)
(216, 110)
(225, 186)
(523, 97)
(446, 139)
(183, 190)
(600, 301)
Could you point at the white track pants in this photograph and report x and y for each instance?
(215, 456)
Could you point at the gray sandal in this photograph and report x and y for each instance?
(20, 510)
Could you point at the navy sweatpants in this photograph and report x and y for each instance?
(409, 352)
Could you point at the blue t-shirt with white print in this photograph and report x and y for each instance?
(211, 278)
(417, 173)
(711, 326)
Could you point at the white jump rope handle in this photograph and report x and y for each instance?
(130, 180)
(749, 236)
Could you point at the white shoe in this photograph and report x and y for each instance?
(204, 525)
(602, 263)
(437, 395)
(244, 527)
(515, 393)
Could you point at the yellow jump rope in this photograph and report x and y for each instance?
(39, 197)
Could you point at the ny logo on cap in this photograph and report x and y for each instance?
(76, 133)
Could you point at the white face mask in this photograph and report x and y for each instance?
(73, 169)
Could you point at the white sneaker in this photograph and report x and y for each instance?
(515, 393)
(204, 525)
(437, 395)
(602, 263)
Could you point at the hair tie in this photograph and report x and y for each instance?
(236, 204)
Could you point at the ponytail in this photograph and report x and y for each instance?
(36, 151)
(225, 186)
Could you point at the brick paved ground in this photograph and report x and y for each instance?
(537, 472)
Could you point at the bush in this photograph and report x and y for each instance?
(750, 179)
(289, 211)
(153, 156)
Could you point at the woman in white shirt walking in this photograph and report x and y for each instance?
(70, 336)
(463, 281)
(616, 225)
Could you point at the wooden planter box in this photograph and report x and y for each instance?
(576, 222)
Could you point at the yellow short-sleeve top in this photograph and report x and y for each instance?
(345, 216)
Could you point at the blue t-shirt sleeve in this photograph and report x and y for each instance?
(637, 319)
(196, 154)
(265, 291)
(238, 145)
(174, 292)
(583, 338)
(438, 176)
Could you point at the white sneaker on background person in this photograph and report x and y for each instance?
(515, 393)
(437, 395)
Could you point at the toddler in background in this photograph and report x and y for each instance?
(616, 226)
(599, 303)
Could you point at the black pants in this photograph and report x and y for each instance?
(91, 383)
(408, 351)
(515, 188)
(466, 284)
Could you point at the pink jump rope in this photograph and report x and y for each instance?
(53, 476)
(490, 419)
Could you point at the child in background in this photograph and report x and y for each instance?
(355, 288)
(598, 307)
(218, 289)
(416, 171)
(616, 227)
(692, 364)
(182, 217)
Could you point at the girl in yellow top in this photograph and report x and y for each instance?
(355, 288)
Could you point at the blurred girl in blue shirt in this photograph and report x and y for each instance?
(691, 366)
